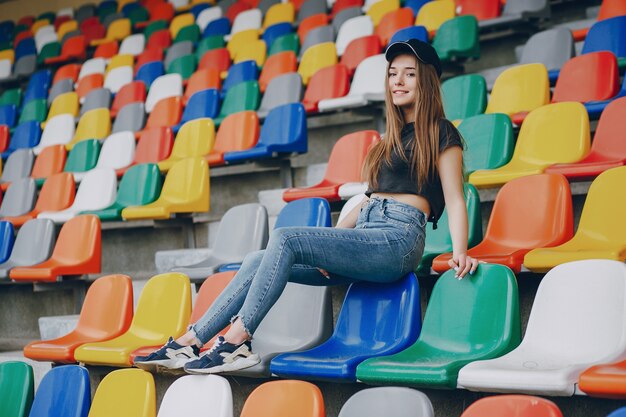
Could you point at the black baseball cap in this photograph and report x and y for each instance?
(422, 50)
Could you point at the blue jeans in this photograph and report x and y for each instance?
(386, 244)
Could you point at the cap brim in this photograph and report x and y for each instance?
(398, 48)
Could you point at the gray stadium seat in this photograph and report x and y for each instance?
(33, 245)
(284, 89)
(25, 66)
(18, 165)
(243, 229)
(112, 18)
(19, 198)
(98, 98)
(390, 401)
(345, 14)
(131, 117)
(85, 11)
(310, 8)
(176, 51)
(320, 34)
(60, 87)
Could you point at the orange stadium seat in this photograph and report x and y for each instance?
(166, 113)
(285, 398)
(88, 83)
(393, 22)
(202, 79)
(513, 405)
(277, 64)
(67, 71)
(239, 131)
(50, 161)
(359, 49)
(310, 23)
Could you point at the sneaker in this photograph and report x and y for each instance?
(171, 355)
(223, 357)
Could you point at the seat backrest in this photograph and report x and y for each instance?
(590, 77)
(238, 131)
(607, 35)
(241, 97)
(94, 124)
(393, 401)
(97, 189)
(83, 156)
(167, 112)
(457, 37)
(242, 229)
(65, 85)
(348, 155)
(149, 72)
(164, 306)
(8, 114)
(517, 405)
(240, 72)
(179, 22)
(284, 399)
(57, 193)
(555, 133)
(381, 8)
(176, 51)
(118, 77)
(133, 45)
(204, 103)
(566, 313)
(311, 8)
(118, 151)
(360, 49)
(34, 110)
(464, 96)
(218, 59)
(50, 161)
(19, 198)
(552, 47)
(129, 392)
(329, 82)
(64, 390)
(277, 64)
(79, 240)
(369, 77)
(432, 14)
(185, 181)
(34, 242)
(25, 135)
(240, 40)
(288, 42)
(607, 140)
(132, 92)
(279, 12)
(18, 165)
(393, 21)
(246, 20)
(7, 238)
(602, 220)
(460, 326)
(195, 138)
(254, 51)
(154, 145)
(92, 66)
(170, 85)
(139, 186)
(284, 125)
(315, 58)
(284, 89)
(207, 16)
(130, 118)
(314, 212)
(58, 131)
(192, 394)
(17, 388)
(489, 141)
(352, 29)
(202, 79)
(66, 103)
(520, 89)
(482, 9)
(99, 98)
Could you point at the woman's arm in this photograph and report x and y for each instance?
(451, 173)
(349, 221)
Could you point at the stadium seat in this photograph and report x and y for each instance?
(239, 131)
(18, 199)
(327, 83)
(7, 239)
(207, 16)
(607, 149)
(25, 136)
(518, 405)
(66, 103)
(278, 13)
(393, 21)
(284, 89)
(337, 358)
(49, 162)
(351, 29)
(454, 334)
(569, 329)
(11, 96)
(433, 14)
(75, 48)
(240, 40)
(179, 22)
(195, 394)
(489, 141)
(34, 110)
(185, 66)
(107, 50)
(276, 65)
(203, 104)
(284, 399)
(380, 8)
(557, 133)
(8, 115)
(97, 190)
(395, 401)
(506, 241)
(33, 245)
(59, 130)
(457, 39)
(77, 252)
(83, 157)
(358, 50)
(483, 9)
(133, 45)
(283, 132)
(17, 387)
(202, 79)
(162, 311)
(600, 232)
(208, 44)
(64, 390)
(4, 137)
(98, 98)
(607, 35)
(241, 97)
(176, 51)
(255, 51)
(218, 27)
(239, 73)
(315, 58)
(149, 72)
(70, 71)
(250, 19)
(218, 59)
(94, 124)
(63, 86)
(154, 145)
(133, 92)
(310, 23)
(316, 36)
(117, 152)
(170, 85)
(439, 241)
(289, 42)
(185, 190)
(117, 31)
(106, 313)
(195, 139)
(117, 78)
(17, 166)
(125, 392)
(131, 118)
(92, 66)
(305, 212)
(167, 112)
(518, 11)
(160, 39)
(368, 85)
(464, 96)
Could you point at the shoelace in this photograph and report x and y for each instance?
(219, 342)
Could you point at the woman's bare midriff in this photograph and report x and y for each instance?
(416, 201)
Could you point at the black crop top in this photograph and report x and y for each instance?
(398, 178)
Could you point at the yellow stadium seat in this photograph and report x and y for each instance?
(315, 58)
(186, 190)
(278, 13)
(38, 25)
(117, 31)
(125, 392)
(240, 39)
(8, 54)
(601, 232)
(163, 310)
(95, 124)
(519, 90)
(66, 103)
(551, 134)
(180, 22)
(253, 51)
(432, 14)
(194, 139)
(381, 8)
(117, 61)
(66, 27)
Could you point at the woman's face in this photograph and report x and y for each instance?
(403, 81)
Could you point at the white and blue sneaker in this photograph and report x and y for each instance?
(223, 357)
(171, 356)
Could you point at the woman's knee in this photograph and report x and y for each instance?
(253, 258)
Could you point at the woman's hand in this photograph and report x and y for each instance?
(463, 264)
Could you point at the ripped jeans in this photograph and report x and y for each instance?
(386, 244)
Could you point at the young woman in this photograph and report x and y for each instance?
(411, 174)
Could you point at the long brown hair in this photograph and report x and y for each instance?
(427, 113)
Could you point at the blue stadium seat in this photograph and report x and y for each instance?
(219, 26)
(150, 72)
(620, 412)
(198, 8)
(305, 212)
(205, 103)
(7, 238)
(239, 73)
(26, 135)
(24, 48)
(375, 320)
(8, 115)
(595, 108)
(607, 35)
(64, 391)
(38, 86)
(415, 5)
(413, 32)
(284, 131)
(276, 31)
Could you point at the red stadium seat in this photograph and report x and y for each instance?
(588, 77)
(329, 82)
(358, 50)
